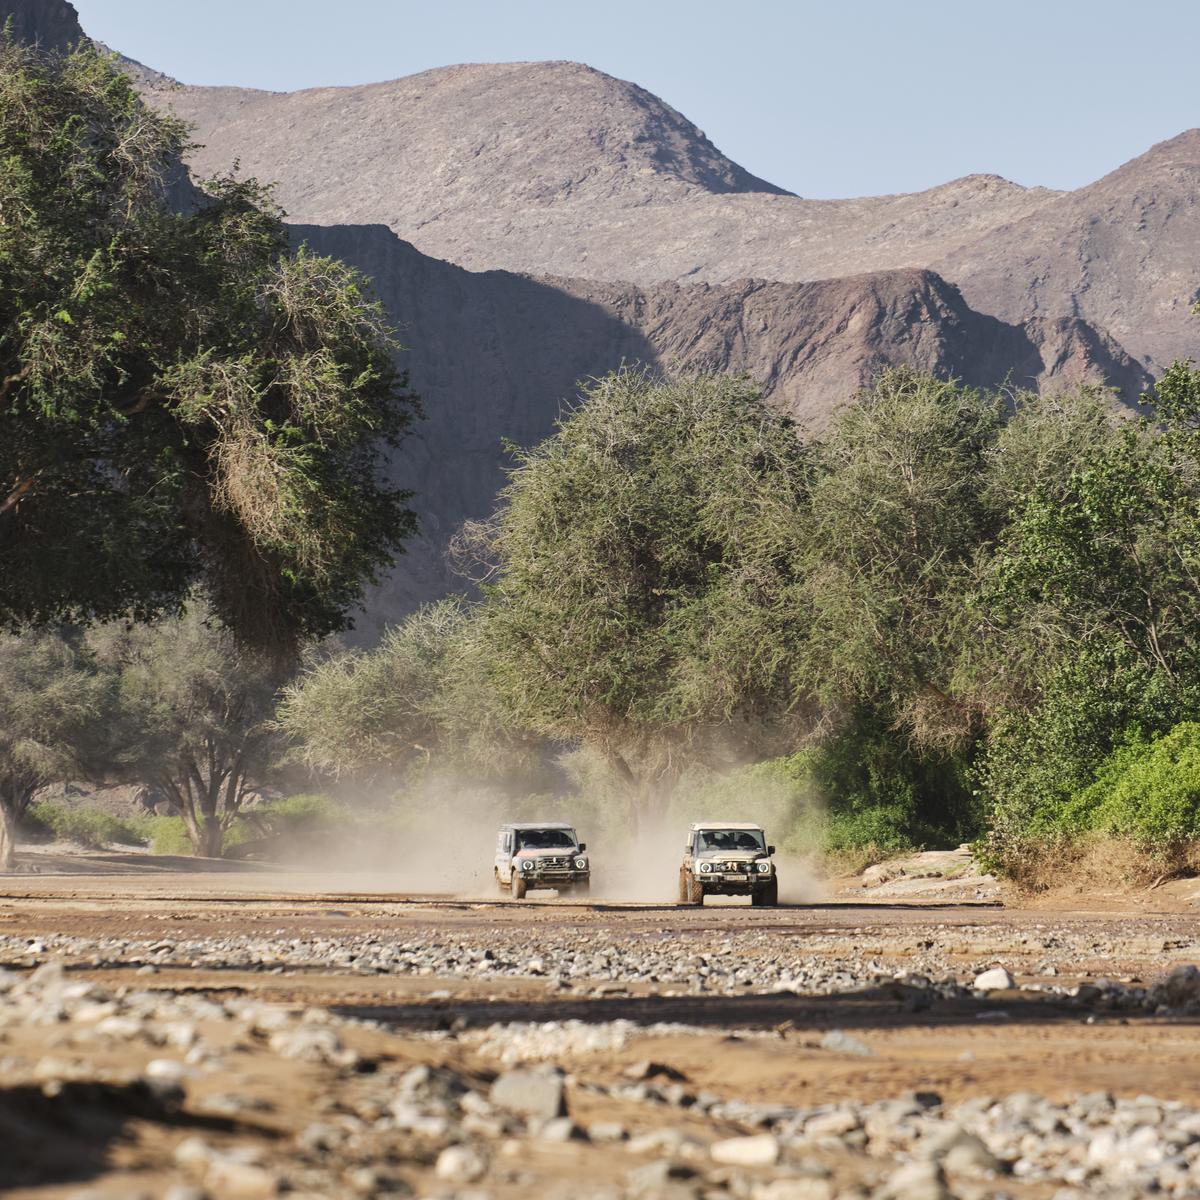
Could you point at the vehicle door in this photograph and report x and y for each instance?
(504, 854)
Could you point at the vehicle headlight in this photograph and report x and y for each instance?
(764, 867)
(527, 864)
(705, 868)
(581, 863)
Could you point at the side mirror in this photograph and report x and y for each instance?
(582, 847)
(770, 849)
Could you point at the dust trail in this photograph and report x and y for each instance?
(441, 838)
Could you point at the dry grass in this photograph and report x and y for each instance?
(1098, 864)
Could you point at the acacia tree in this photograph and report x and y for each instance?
(52, 703)
(182, 400)
(895, 520)
(364, 711)
(192, 715)
(640, 576)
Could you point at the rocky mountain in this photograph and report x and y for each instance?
(625, 236)
(50, 23)
(496, 355)
(558, 169)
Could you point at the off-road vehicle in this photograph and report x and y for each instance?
(728, 858)
(541, 854)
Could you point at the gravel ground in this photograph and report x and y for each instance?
(204, 1053)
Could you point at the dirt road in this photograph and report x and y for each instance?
(776, 1019)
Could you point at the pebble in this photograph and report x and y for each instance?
(996, 980)
(758, 1151)
(461, 1164)
(531, 1092)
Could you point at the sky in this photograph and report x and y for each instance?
(826, 99)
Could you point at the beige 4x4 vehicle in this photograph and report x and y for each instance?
(541, 854)
(728, 858)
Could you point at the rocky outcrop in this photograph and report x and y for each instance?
(50, 23)
(496, 356)
(556, 169)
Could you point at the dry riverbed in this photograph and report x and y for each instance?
(251, 1035)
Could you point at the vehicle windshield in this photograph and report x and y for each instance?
(545, 839)
(708, 840)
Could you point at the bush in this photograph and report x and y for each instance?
(90, 827)
(863, 795)
(1094, 712)
(1147, 791)
(169, 835)
(302, 814)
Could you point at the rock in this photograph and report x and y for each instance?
(921, 1180)
(970, 1156)
(607, 1131)
(831, 1125)
(311, 1043)
(795, 1189)
(227, 1177)
(844, 1043)
(561, 1129)
(996, 980)
(165, 1071)
(759, 1150)
(461, 1164)
(655, 1176)
(1182, 985)
(531, 1092)
(193, 1153)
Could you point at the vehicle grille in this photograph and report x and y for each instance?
(555, 863)
(736, 866)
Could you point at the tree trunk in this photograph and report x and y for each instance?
(8, 838)
(208, 838)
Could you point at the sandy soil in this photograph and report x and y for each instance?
(758, 1046)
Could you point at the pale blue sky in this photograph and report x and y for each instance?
(824, 98)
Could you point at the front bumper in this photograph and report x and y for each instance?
(733, 883)
(553, 878)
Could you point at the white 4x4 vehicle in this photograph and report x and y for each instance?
(541, 854)
(728, 858)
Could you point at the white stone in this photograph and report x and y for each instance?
(996, 980)
(461, 1164)
(761, 1150)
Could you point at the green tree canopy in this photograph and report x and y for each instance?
(192, 715)
(53, 708)
(182, 400)
(362, 712)
(894, 523)
(642, 585)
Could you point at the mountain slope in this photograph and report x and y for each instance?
(447, 142)
(496, 356)
(1120, 252)
(555, 169)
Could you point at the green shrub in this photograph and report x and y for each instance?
(89, 827)
(169, 836)
(1094, 712)
(1146, 790)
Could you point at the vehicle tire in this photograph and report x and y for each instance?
(766, 896)
(683, 887)
(500, 884)
(518, 886)
(582, 889)
(695, 890)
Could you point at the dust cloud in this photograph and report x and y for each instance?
(442, 841)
